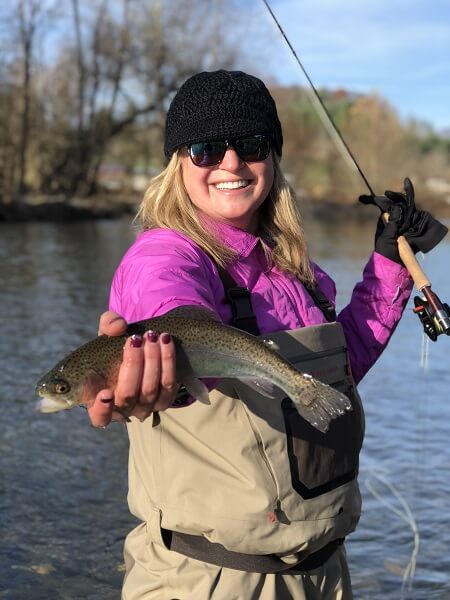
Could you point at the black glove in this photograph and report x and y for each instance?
(422, 231)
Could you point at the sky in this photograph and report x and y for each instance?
(398, 48)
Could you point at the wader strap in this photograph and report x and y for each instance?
(199, 548)
(322, 302)
(239, 299)
(241, 304)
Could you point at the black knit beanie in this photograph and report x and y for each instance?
(221, 105)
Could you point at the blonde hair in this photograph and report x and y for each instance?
(166, 204)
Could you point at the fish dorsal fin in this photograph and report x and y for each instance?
(193, 312)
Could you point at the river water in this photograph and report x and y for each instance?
(63, 483)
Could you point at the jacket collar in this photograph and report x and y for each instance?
(242, 242)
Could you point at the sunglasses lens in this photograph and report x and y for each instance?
(253, 149)
(207, 154)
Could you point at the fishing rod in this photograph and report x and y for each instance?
(433, 314)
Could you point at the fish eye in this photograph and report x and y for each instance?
(62, 388)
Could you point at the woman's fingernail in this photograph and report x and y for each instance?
(136, 340)
(106, 398)
(166, 338)
(114, 320)
(152, 336)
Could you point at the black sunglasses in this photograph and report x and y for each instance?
(254, 148)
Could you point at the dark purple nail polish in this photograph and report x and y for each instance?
(136, 340)
(152, 336)
(166, 338)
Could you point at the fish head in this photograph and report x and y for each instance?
(78, 377)
(68, 385)
(57, 392)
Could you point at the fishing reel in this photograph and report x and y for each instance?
(433, 314)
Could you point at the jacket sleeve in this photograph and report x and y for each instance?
(160, 272)
(375, 308)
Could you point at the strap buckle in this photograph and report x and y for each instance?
(241, 303)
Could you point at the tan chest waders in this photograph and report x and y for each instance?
(245, 482)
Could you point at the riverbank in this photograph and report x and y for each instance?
(59, 208)
(110, 206)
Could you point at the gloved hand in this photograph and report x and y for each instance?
(422, 231)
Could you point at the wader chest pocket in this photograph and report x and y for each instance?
(322, 462)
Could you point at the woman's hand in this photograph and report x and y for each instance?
(422, 231)
(146, 381)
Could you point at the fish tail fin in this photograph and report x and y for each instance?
(322, 406)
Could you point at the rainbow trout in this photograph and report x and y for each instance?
(205, 348)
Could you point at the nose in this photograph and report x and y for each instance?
(231, 161)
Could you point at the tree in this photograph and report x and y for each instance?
(121, 70)
(22, 25)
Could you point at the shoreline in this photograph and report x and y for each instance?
(60, 209)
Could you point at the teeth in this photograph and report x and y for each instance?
(231, 185)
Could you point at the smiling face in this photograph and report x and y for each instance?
(230, 192)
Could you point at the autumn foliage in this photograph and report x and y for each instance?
(97, 98)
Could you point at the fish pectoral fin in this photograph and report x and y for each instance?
(262, 386)
(197, 389)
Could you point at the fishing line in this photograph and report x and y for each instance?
(323, 112)
(407, 516)
(425, 346)
(425, 352)
(331, 127)
(434, 315)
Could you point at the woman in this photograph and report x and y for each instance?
(241, 498)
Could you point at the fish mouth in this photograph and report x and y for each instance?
(50, 404)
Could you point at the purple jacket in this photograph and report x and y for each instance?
(164, 269)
